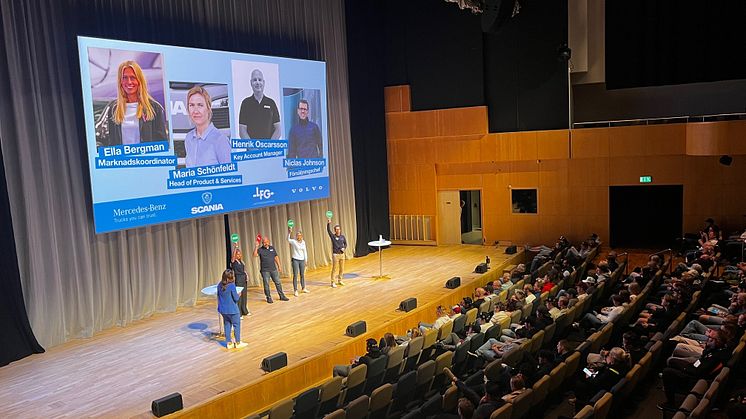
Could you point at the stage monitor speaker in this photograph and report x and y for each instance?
(511, 250)
(167, 405)
(275, 362)
(408, 305)
(481, 268)
(357, 328)
(453, 283)
(726, 160)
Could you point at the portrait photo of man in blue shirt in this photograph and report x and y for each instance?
(304, 141)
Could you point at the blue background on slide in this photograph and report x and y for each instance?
(116, 190)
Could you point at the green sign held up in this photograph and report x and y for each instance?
(291, 223)
(234, 238)
(329, 214)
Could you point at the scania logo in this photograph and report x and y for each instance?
(263, 193)
(207, 198)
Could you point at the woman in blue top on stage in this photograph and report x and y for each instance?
(228, 308)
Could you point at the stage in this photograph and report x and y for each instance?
(118, 372)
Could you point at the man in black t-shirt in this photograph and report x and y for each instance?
(269, 267)
(259, 117)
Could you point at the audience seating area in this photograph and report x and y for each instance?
(413, 380)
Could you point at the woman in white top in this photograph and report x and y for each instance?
(299, 258)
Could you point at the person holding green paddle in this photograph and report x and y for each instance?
(299, 256)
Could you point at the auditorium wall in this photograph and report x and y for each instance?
(450, 149)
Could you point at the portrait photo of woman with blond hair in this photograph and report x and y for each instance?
(134, 116)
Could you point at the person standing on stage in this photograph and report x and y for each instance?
(227, 307)
(339, 245)
(269, 267)
(239, 271)
(299, 258)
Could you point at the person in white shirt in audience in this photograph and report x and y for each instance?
(607, 314)
(299, 256)
(442, 319)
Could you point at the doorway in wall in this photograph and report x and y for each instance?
(471, 217)
(648, 217)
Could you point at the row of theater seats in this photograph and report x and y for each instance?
(704, 394)
(410, 382)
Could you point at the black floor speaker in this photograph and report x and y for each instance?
(454, 282)
(275, 362)
(356, 329)
(481, 268)
(511, 250)
(408, 305)
(167, 405)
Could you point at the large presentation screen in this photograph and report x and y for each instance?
(175, 133)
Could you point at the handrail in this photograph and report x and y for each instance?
(626, 262)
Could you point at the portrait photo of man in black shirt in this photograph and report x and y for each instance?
(259, 117)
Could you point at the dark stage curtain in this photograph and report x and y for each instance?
(18, 338)
(365, 63)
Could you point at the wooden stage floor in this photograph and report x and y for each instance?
(118, 372)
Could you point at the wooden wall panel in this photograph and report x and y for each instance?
(706, 139)
(590, 143)
(626, 141)
(392, 99)
(625, 170)
(553, 144)
(462, 121)
(665, 170)
(660, 140)
(435, 150)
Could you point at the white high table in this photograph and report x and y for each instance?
(381, 242)
(212, 291)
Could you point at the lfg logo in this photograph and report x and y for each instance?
(263, 193)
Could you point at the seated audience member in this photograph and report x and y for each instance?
(611, 261)
(442, 319)
(388, 341)
(479, 294)
(658, 317)
(519, 333)
(547, 284)
(680, 376)
(634, 290)
(485, 405)
(518, 273)
(517, 387)
(494, 349)
(503, 312)
(603, 375)
(372, 353)
(608, 314)
(564, 350)
(531, 294)
(737, 307)
(633, 345)
(688, 350)
(603, 273)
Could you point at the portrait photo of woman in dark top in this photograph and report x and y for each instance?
(134, 116)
